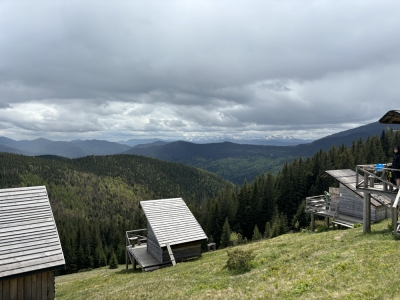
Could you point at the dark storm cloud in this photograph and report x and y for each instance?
(196, 67)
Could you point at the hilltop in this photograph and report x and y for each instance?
(338, 264)
(95, 199)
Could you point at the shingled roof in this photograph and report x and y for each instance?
(29, 240)
(172, 222)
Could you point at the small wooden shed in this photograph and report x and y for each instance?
(30, 248)
(170, 222)
(173, 235)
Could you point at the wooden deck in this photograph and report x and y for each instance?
(347, 221)
(146, 261)
(318, 206)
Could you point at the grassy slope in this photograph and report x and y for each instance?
(340, 264)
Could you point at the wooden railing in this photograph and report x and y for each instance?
(367, 177)
(136, 237)
(319, 205)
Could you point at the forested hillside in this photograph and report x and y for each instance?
(276, 204)
(96, 199)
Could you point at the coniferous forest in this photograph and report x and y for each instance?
(95, 199)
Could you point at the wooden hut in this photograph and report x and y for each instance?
(346, 208)
(173, 234)
(30, 248)
(352, 201)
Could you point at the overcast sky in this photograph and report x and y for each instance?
(117, 70)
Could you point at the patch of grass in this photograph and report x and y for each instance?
(337, 264)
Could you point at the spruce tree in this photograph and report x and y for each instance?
(113, 260)
(226, 235)
(256, 234)
(267, 231)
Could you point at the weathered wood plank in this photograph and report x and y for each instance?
(171, 255)
(47, 242)
(13, 288)
(44, 285)
(6, 289)
(34, 286)
(47, 223)
(23, 267)
(39, 286)
(50, 285)
(27, 287)
(9, 263)
(20, 283)
(17, 199)
(33, 214)
(21, 189)
(30, 253)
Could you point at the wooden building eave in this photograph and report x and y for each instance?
(391, 117)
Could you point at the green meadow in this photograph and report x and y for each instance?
(335, 264)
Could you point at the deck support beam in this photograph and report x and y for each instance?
(312, 222)
(367, 207)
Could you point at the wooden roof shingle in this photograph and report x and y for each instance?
(172, 222)
(29, 239)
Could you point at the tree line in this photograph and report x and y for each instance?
(273, 205)
(95, 199)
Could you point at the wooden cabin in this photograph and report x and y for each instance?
(30, 248)
(173, 234)
(347, 205)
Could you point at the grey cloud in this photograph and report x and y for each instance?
(205, 67)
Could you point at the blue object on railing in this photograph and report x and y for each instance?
(379, 167)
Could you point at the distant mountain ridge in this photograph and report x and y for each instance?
(73, 149)
(184, 151)
(235, 162)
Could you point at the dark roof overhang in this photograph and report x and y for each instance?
(391, 117)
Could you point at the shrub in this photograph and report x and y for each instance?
(239, 260)
(234, 238)
(320, 226)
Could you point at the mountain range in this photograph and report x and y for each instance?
(232, 161)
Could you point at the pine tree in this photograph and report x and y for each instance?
(256, 234)
(113, 260)
(267, 231)
(226, 235)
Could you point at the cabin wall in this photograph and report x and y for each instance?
(350, 203)
(383, 212)
(183, 251)
(152, 244)
(36, 286)
(353, 205)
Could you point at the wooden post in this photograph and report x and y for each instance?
(134, 263)
(171, 255)
(312, 222)
(394, 219)
(394, 213)
(327, 222)
(126, 254)
(367, 207)
(126, 251)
